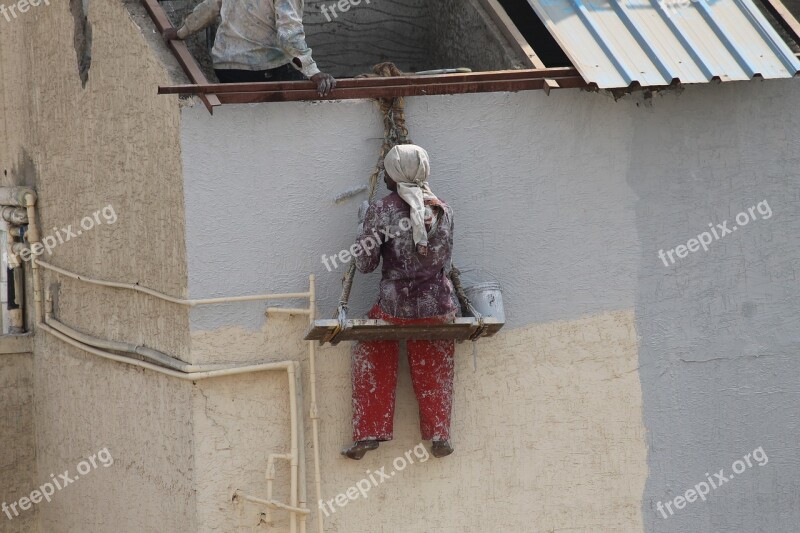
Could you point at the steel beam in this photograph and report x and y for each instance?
(181, 52)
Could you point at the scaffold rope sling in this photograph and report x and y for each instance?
(395, 132)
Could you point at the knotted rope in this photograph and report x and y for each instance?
(394, 132)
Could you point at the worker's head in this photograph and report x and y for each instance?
(407, 163)
(408, 168)
(390, 183)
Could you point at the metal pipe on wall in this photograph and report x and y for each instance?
(298, 490)
(14, 215)
(290, 367)
(16, 196)
(33, 238)
(166, 297)
(313, 411)
(119, 346)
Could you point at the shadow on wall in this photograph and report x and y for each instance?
(82, 40)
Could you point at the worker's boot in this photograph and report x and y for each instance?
(360, 448)
(441, 448)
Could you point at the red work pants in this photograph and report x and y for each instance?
(374, 376)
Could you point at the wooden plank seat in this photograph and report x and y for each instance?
(460, 329)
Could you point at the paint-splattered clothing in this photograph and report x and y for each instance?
(414, 289)
(254, 34)
(412, 285)
(374, 378)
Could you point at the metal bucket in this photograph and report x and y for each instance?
(487, 298)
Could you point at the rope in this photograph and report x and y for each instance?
(394, 132)
(394, 123)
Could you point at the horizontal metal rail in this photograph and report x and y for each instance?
(374, 82)
(388, 91)
(402, 90)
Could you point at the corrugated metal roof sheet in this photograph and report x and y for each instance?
(614, 43)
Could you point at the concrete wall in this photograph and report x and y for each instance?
(112, 143)
(566, 201)
(18, 461)
(464, 35)
(17, 437)
(413, 34)
(552, 417)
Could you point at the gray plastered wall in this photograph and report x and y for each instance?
(565, 200)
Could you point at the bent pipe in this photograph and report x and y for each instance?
(229, 371)
(118, 346)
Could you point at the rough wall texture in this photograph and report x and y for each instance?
(113, 143)
(548, 423)
(464, 35)
(719, 328)
(414, 34)
(17, 440)
(570, 223)
(617, 384)
(562, 377)
(18, 459)
(351, 42)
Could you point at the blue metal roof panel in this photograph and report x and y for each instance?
(614, 43)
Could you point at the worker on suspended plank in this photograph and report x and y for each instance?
(257, 40)
(412, 231)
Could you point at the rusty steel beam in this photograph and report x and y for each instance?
(353, 83)
(181, 52)
(401, 90)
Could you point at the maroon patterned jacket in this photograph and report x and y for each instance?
(413, 285)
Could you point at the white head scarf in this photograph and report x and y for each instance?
(409, 166)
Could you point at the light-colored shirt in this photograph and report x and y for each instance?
(254, 34)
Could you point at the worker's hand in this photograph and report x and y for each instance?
(325, 83)
(170, 34)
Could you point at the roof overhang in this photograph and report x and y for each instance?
(623, 43)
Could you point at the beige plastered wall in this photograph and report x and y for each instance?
(18, 462)
(112, 143)
(548, 436)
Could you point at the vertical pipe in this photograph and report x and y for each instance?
(312, 363)
(270, 480)
(301, 439)
(33, 238)
(292, 371)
